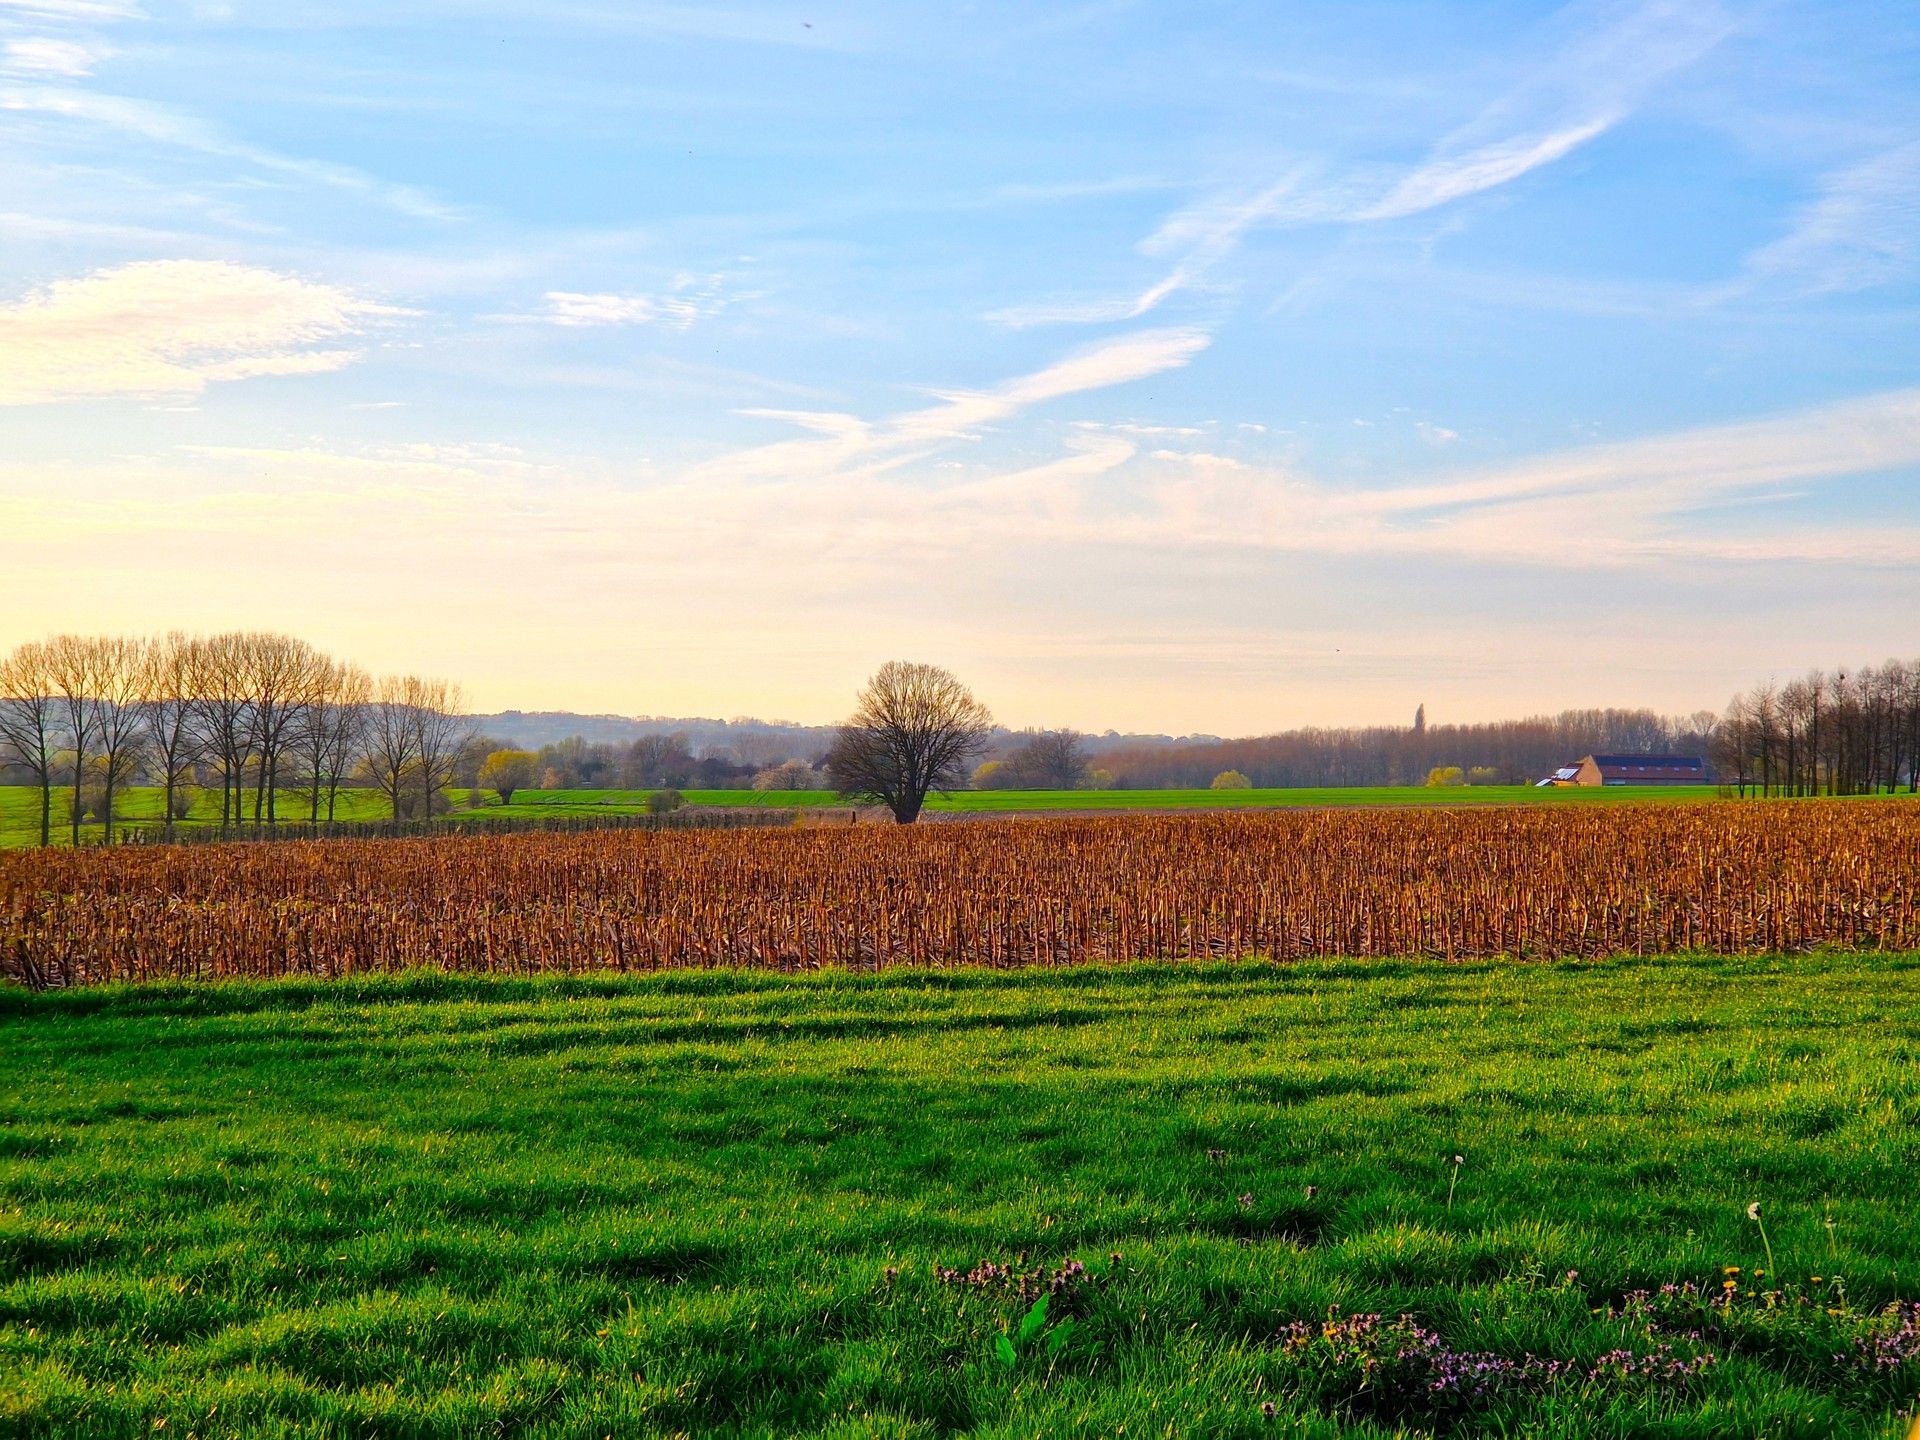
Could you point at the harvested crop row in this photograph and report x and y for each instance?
(1542, 883)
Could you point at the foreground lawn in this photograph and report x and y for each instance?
(713, 1203)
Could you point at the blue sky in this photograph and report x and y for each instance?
(1216, 367)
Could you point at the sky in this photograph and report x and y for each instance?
(1185, 367)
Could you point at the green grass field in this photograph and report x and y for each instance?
(142, 805)
(145, 805)
(999, 802)
(712, 1204)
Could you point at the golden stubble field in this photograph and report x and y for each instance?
(1527, 883)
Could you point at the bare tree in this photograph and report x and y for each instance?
(223, 708)
(281, 674)
(441, 729)
(29, 720)
(1849, 733)
(392, 741)
(1732, 746)
(167, 712)
(119, 673)
(69, 660)
(654, 760)
(1045, 760)
(914, 730)
(327, 737)
(761, 751)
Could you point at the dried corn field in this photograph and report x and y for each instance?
(1519, 882)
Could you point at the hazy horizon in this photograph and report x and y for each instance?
(1218, 369)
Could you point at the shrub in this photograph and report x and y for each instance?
(664, 802)
(1231, 780)
(793, 775)
(1446, 775)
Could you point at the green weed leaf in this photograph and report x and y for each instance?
(1034, 1321)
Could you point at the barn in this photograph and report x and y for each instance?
(1632, 770)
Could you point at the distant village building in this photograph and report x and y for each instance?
(1632, 770)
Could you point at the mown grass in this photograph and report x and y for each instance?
(446, 1206)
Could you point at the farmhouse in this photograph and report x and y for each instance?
(1632, 770)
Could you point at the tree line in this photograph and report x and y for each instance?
(256, 713)
(1510, 752)
(649, 762)
(1849, 732)
(260, 713)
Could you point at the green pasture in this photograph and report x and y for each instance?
(142, 805)
(714, 1203)
(974, 802)
(146, 805)
(1002, 801)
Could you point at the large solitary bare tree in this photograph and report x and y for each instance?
(915, 730)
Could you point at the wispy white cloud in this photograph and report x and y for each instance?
(92, 11)
(1627, 503)
(164, 125)
(1202, 235)
(846, 441)
(1862, 230)
(171, 328)
(1589, 84)
(688, 301)
(41, 55)
(1448, 178)
(1662, 500)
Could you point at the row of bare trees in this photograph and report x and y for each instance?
(1851, 732)
(255, 712)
